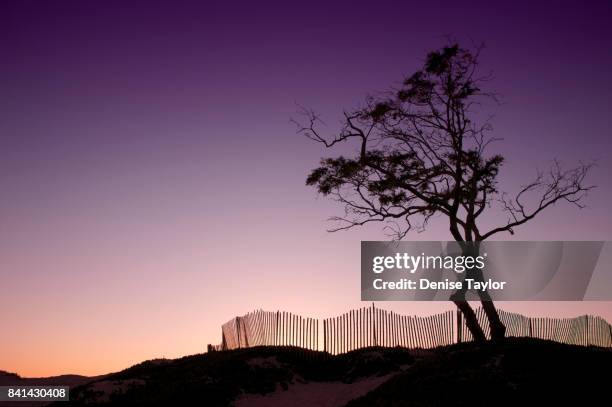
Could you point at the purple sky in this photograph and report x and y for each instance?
(153, 186)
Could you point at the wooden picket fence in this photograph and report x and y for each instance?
(278, 328)
(371, 326)
(584, 330)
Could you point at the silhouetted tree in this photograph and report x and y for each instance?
(423, 152)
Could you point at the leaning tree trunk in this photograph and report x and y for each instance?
(497, 328)
(470, 319)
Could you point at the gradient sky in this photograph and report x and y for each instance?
(153, 186)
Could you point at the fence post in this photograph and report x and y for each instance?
(276, 331)
(374, 325)
(459, 326)
(237, 324)
(224, 341)
(530, 328)
(317, 334)
(586, 330)
(324, 335)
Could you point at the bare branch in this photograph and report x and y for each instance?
(557, 186)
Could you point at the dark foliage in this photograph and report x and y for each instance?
(217, 378)
(519, 372)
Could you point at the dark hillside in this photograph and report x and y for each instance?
(519, 372)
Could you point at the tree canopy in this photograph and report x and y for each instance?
(424, 150)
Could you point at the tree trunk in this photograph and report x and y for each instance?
(497, 328)
(470, 320)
